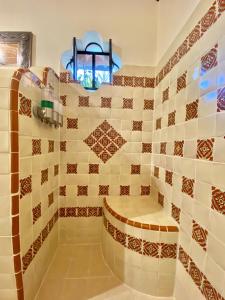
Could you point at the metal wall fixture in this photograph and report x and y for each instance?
(50, 109)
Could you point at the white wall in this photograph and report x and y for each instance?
(130, 23)
(172, 16)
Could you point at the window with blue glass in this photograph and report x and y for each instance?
(91, 61)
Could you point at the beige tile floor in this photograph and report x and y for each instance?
(79, 272)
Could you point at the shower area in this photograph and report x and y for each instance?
(126, 200)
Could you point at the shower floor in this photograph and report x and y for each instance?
(79, 272)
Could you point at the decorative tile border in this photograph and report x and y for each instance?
(194, 36)
(77, 212)
(105, 141)
(199, 234)
(37, 244)
(143, 247)
(15, 183)
(218, 200)
(118, 80)
(201, 281)
(192, 110)
(138, 224)
(188, 186)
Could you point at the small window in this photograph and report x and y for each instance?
(92, 61)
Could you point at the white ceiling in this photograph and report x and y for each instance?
(143, 29)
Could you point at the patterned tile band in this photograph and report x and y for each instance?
(76, 212)
(201, 281)
(158, 250)
(36, 246)
(138, 224)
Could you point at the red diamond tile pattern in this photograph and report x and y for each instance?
(163, 148)
(145, 190)
(82, 190)
(62, 190)
(208, 19)
(151, 249)
(218, 200)
(148, 104)
(36, 212)
(137, 125)
(194, 36)
(72, 123)
(84, 101)
(124, 190)
(175, 213)
(195, 274)
(165, 95)
(205, 149)
(134, 244)
(106, 102)
(171, 118)
(139, 82)
(181, 82)
(135, 169)
(121, 237)
(209, 60)
(103, 190)
(168, 251)
(188, 186)
(25, 186)
(27, 259)
(63, 146)
(50, 146)
(169, 177)
(192, 110)
(105, 141)
(25, 107)
(178, 148)
(37, 245)
(128, 103)
(44, 176)
(36, 146)
(93, 168)
(209, 291)
(63, 98)
(183, 49)
(146, 147)
(184, 258)
(221, 99)
(199, 235)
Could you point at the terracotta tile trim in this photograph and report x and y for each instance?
(14, 117)
(39, 241)
(139, 224)
(77, 212)
(201, 281)
(143, 247)
(187, 44)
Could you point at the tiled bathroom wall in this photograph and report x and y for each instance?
(39, 181)
(105, 148)
(29, 184)
(188, 162)
(10, 272)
